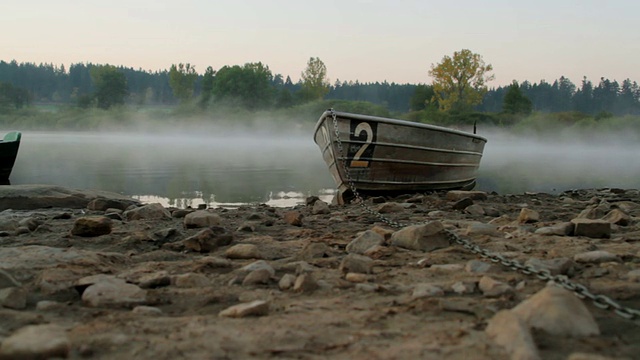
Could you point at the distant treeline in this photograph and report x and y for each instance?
(24, 83)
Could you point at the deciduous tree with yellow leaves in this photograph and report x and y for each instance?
(459, 82)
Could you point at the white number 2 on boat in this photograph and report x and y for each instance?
(366, 127)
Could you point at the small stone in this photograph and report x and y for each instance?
(481, 267)
(257, 277)
(243, 251)
(286, 282)
(455, 195)
(464, 287)
(389, 208)
(190, 280)
(634, 275)
(446, 268)
(320, 207)
(493, 288)
(597, 257)
(475, 210)
(592, 228)
(89, 226)
(356, 263)
(427, 237)
(36, 342)
(364, 242)
(293, 218)
(379, 251)
(46, 305)
(208, 240)
(181, 213)
(314, 250)
(254, 308)
(561, 229)
(462, 204)
(557, 266)
(6, 280)
(426, 290)
(482, 229)
(618, 217)
(357, 277)
(146, 310)
(528, 216)
(113, 293)
(13, 298)
(305, 283)
(257, 265)
(201, 219)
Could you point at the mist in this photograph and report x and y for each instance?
(558, 161)
(268, 156)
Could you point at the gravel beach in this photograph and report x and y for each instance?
(94, 275)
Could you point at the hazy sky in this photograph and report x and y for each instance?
(365, 40)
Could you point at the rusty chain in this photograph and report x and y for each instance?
(581, 291)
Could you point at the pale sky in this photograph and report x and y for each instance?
(365, 40)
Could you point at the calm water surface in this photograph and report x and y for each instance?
(232, 169)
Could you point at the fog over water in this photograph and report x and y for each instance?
(559, 162)
(282, 169)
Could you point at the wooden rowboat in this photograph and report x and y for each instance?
(8, 152)
(375, 155)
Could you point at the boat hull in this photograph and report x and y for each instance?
(8, 152)
(376, 155)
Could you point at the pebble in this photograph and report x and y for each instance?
(426, 290)
(254, 308)
(597, 256)
(243, 251)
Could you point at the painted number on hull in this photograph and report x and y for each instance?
(364, 134)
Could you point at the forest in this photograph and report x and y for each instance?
(252, 86)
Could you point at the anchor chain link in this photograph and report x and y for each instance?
(600, 301)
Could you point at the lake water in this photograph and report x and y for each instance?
(282, 170)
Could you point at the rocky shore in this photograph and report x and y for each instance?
(96, 275)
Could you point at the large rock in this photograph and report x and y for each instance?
(558, 312)
(36, 342)
(30, 197)
(509, 331)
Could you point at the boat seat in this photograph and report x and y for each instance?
(12, 136)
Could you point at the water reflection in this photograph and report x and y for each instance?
(183, 170)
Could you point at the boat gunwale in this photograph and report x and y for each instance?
(384, 120)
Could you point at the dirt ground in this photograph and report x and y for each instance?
(313, 304)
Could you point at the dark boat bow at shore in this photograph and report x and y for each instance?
(8, 152)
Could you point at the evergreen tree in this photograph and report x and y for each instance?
(515, 102)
